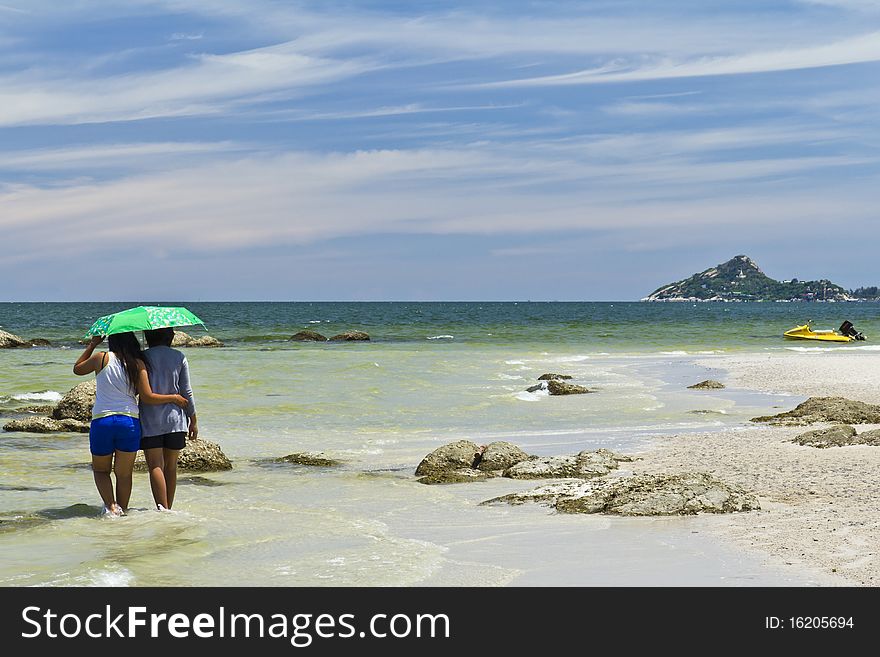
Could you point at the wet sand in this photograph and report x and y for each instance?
(820, 507)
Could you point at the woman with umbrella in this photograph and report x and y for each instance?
(121, 376)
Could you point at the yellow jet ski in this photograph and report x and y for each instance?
(847, 333)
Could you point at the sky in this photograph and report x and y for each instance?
(366, 150)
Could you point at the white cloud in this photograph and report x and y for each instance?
(203, 86)
(854, 50)
(121, 157)
(298, 198)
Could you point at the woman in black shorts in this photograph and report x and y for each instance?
(165, 428)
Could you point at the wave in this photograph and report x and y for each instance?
(441, 337)
(525, 395)
(815, 350)
(45, 395)
(568, 359)
(514, 362)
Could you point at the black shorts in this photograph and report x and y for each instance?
(176, 440)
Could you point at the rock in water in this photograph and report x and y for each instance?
(583, 466)
(182, 339)
(10, 341)
(536, 388)
(551, 375)
(708, 384)
(556, 387)
(826, 409)
(77, 403)
(198, 456)
(308, 336)
(351, 336)
(451, 463)
(39, 342)
(318, 459)
(500, 455)
(460, 454)
(46, 425)
(840, 435)
(642, 495)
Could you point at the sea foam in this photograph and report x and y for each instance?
(45, 395)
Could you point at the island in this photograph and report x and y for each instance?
(740, 279)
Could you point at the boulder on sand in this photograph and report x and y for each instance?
(641, 495)
(198, 456)
(708, 384)
(77, 403)
(308, 336)
(351, 336)
(583, 465)
(839, 435)
(826, 409)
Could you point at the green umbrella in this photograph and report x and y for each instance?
(143, 318)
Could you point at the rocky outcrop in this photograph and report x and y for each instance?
(641, 495)
(198, 456)
(500, 455)
(583, 465)
(182, 339)
(317, 459)
(308, 336)
(551, 375)
(839, 435)
(10, 341)
(826, 409)
(77, 403)
(708, 384)
(466, 461)
(46, 425)
(42, 409)
(537, 388)
(557, 387)
(351, 336)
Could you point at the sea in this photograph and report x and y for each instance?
(431, 373)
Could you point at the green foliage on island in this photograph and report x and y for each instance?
(871, 293)
(740, 279)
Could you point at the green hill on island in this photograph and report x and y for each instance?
(740, 279)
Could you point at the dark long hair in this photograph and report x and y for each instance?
(125, 347)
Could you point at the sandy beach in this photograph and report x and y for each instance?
(820, 508)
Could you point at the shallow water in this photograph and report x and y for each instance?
(379, 407)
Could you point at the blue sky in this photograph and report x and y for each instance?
(255, 149)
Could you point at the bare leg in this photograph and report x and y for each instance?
(101, 470)
(123, 468)
(170, 469)
(156, 466)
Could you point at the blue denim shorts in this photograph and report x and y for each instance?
(107, 434)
